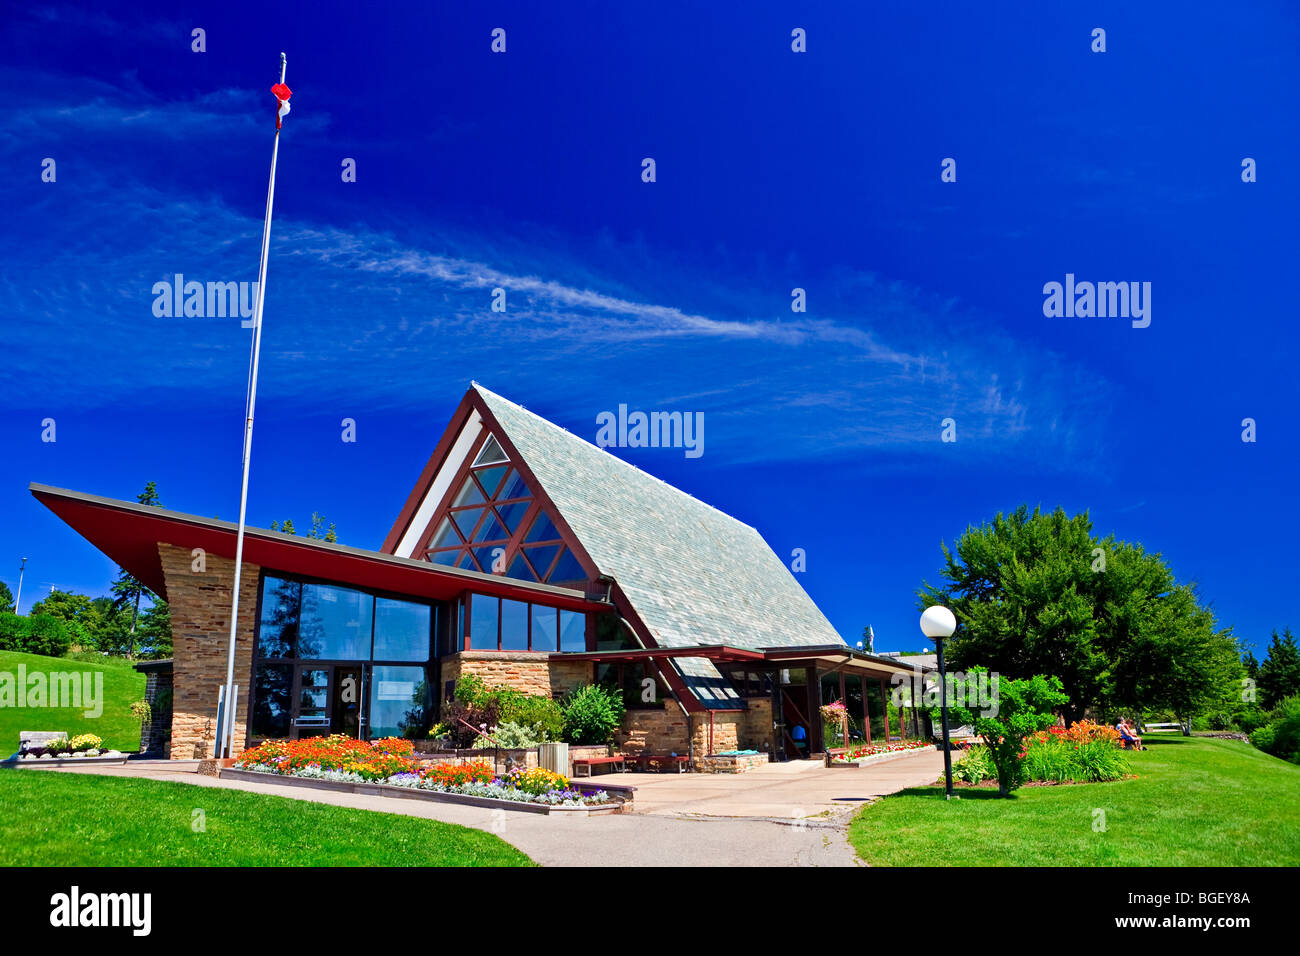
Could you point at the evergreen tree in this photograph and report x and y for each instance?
(127, 588)
(1279, 674)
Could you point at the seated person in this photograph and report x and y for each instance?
(800, 738)
(1127, 736)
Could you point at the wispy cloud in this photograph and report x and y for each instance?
(362, 316)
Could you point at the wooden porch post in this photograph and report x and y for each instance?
(884, 701)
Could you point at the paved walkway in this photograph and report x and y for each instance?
(780, 815)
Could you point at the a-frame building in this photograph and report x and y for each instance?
(523, 554)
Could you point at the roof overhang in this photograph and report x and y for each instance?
(712, 652)
(828, 655)
(840, 655)
(129, 533)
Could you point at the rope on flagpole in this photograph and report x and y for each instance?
(226, 732)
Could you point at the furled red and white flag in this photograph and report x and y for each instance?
(282, 94)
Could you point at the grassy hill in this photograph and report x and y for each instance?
(122, 686)
(1192, 802)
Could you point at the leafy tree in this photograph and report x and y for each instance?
(1176, 661)
(64, 605)
(1279, 674)
(6, 598)
(1024, 707)
(1039, 593)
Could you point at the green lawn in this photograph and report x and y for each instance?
(53, 818)
(122, 685)
(1194, 802)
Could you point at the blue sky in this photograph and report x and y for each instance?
(775, 170)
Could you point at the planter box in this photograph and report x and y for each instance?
(729, 763)
(878, 758)
(411, 793)
(17, 761)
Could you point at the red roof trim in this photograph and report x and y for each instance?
(130, 533)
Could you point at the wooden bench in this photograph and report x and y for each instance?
(590, 762)
(645, 760)
(1163, 728)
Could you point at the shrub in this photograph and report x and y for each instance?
(478, 716)
(1251, 717)
(46, 635)
(975, 766)
(492, 705)
(592, 714)
(542, 714)
(510, 735)
(85, 742)
(1281, 735)
(13, 631)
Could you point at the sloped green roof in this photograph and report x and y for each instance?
(695, 575)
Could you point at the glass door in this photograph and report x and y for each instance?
(311, 701)
(345, 716)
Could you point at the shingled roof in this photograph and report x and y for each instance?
(695, 575)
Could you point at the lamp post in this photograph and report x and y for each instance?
(938, 623)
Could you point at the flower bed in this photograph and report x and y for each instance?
(1086, 752)
(854, 754)
(389, 762)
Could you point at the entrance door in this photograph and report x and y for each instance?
(311, 700)
(327, 699)
(345, 716)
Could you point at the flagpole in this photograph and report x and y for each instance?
(227, 730)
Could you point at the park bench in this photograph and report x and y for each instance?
(956, 735)
(645, 760)
(589, 762)
(1163, 728)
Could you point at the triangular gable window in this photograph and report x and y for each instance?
(491, 453)
(502, 527)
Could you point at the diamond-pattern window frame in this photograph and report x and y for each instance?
(465, 550)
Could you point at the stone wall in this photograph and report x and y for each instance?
(529, 672)
(200, 612)
(655, 731)
(738, 764)
(725, 732)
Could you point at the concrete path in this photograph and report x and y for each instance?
(780, 815)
